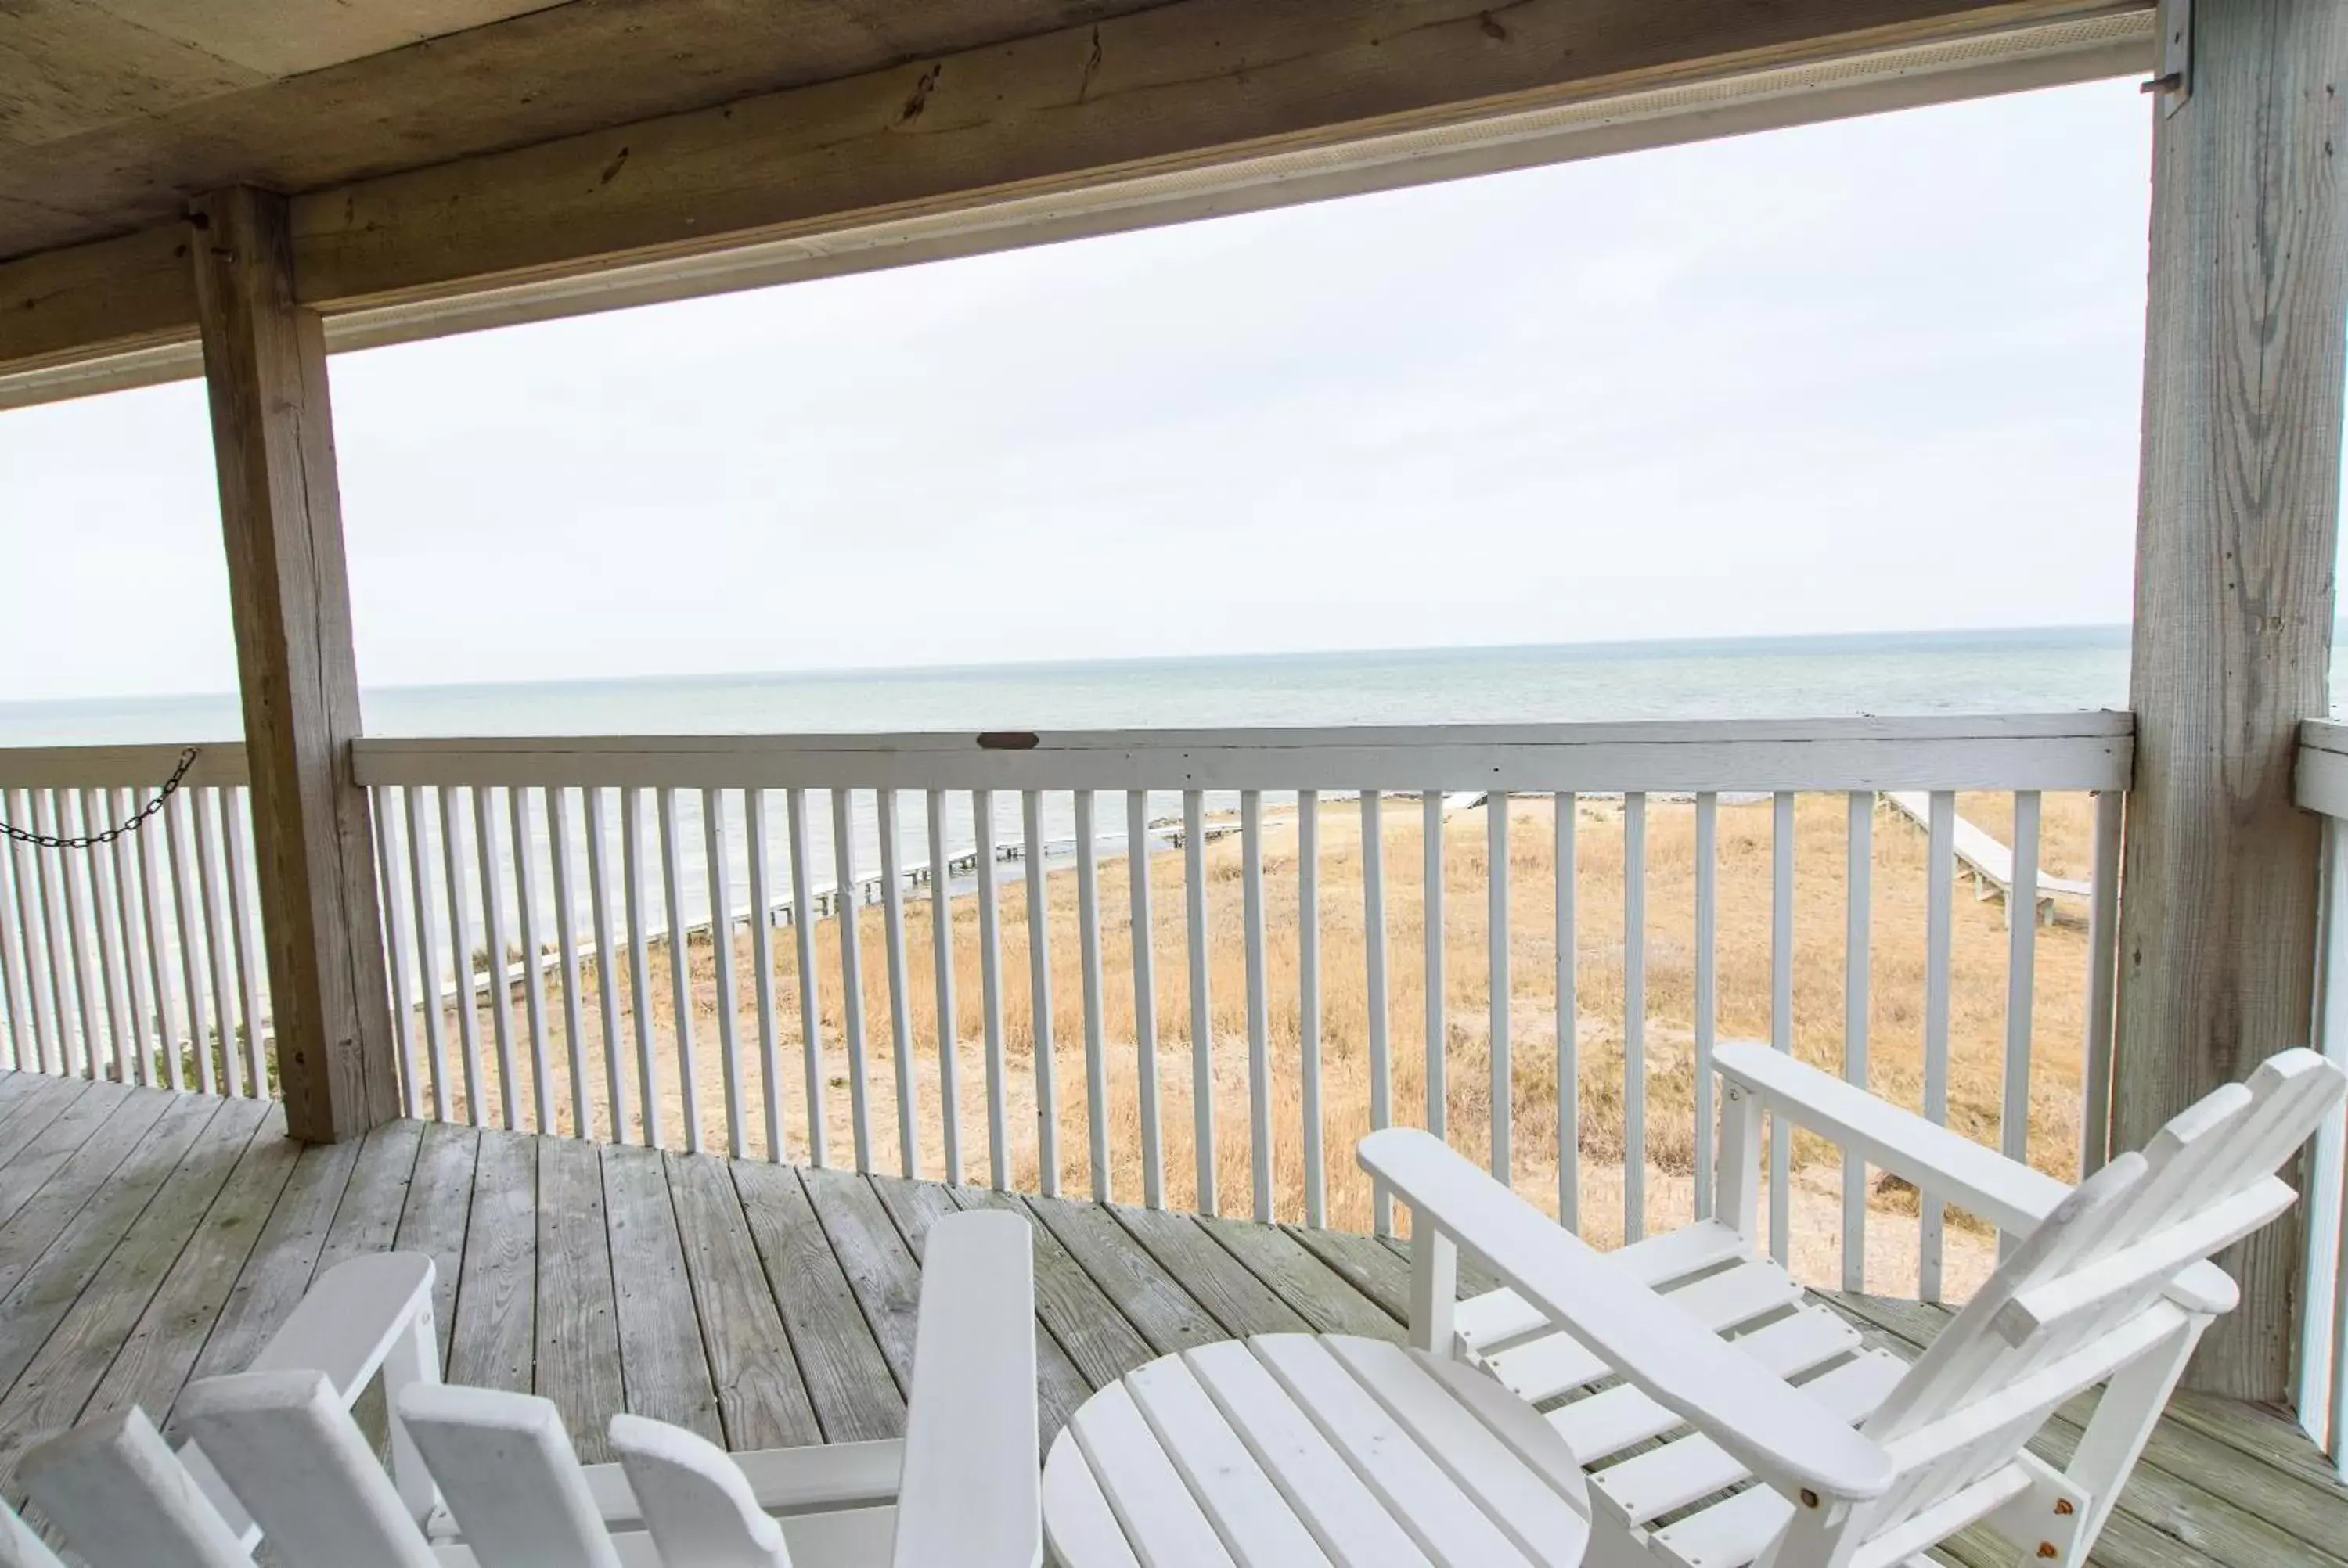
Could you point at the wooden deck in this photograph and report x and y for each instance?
(148, 1237)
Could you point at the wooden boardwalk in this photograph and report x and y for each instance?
(148, 1237)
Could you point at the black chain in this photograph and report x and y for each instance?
(91, 841)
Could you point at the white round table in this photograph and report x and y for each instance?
(1300, 1449)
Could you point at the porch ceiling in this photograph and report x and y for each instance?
(441, 149)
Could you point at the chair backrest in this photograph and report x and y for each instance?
(2085, 1296)
(121, 1498)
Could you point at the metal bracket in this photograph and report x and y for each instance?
(2175, 82)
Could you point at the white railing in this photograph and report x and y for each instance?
(2323, 787)
(1647, 887)
(138, 961)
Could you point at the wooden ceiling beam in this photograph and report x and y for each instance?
(1172, 100)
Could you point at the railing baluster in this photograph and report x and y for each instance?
(1039, 983)
(489, 852)
(607, 957)
(134, 974)
(533, 960)
(1431, 898)
(1374, 964)
(427, 950)
(845, 898)
(1495, 942)
(244, 901)
(395, 955)
(2103, 959)
(23, 1036)
(1940, 892)
(1781, 1010)
(1202, 1023)
(1569, 1018)
(680, 967)
(1259, 1015)
(1634, 1016)
(1088, 942)
(153, 902)
(640, 966)
(1308, 1003)
(762, 963)
(86, 1003)
(1857, 952)
(1707, 989)
(179, 819)
(221, 939)
(105, 906)
(460, 938)
(717, 845)
(1145, 996)
(941, 958)
(990, 985)
(53, 934)
(566, 938)
(40, 974)
(2021, 978)
(900, 1016)
(803, 919)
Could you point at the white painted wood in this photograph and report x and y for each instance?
(2021, 983)
(245, 908)
(762, 971)
(851, 978)
(1156, 1511)
(1990, 861)
(2103, 960)
(23, 1039)
(65, 806)
(1781, 1008)
(1495, 937)
(118, 919)
(19, 1547)
(171, 1020)
(1144, 925)
(1258, 1002)
(1434, 1284)
(488, 845)
(460, 949)
(149, 1007)
(1308, 1003)
(1256, 1522)
(49, 1049)
(970, 1493)
(680, 971)
(104, 911)
(58, 941)
(1431, 920)
(113, 1488)
(1569, 1015)
(1088, 941)
(427, 950)
(533, 968)
(990, 985)
(1940, 889)
(810, 984)
(640, 968)
(1045, 1047)
(1634, 1016)
(1079, 1525)
(942, 961)
(607, 959)
(563, 866)
(1374, 955)
(510, 1478)
(900, 1016)
(1858, 881)
(696, 1505)
(1202, 1023)
(1707, 989)
(397, 963)
(220, 946)
(718, 848)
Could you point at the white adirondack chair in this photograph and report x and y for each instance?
(490, 1477)
(1832, 1455)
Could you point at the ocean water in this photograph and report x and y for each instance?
(2047, 670)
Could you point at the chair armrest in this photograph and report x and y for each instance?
(2011, 1195)
(1781, 1434)
(972, 1491)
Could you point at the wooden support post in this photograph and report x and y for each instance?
(2237, 537)
(281, 512)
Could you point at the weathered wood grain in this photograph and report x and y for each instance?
(54, 1144)
(762, 1400)
(367, 1219)
(578, 1318)
(289, 597)
(26, 1112)
(433, 1215)
(48, 1397)
(1218, 1281)
(494, 1341)
(2237, 540)
(1144, 1293)
(49, 1208)
(848, 1379)
(1311, 1288)
(873, 1256)
(662, 1359)
(283, 1262)
(1365, 1262)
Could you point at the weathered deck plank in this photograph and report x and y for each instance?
(49, 1208)
(848, 1379)
(880, 1268)
(284, 1261)
(762, 1401)
(493, 1344)
(367, 1219)
(661, 1360)
(1129, 1277)
(433, 1215)
(578, 1318)
(1064, 1325)
(1314, 1291)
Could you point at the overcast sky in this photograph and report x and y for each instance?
(1877, 374)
